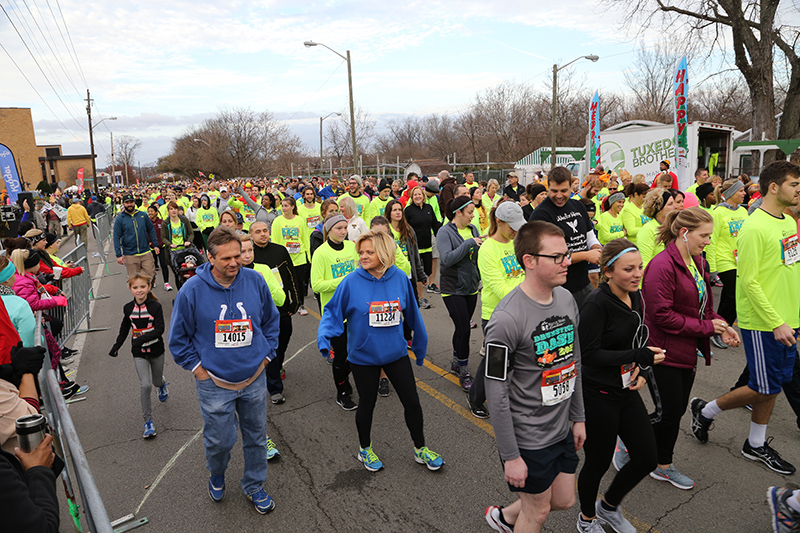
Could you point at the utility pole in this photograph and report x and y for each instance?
(91, 139)
(113, 168)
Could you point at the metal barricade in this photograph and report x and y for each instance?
(68, 445)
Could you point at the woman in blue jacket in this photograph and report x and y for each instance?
(374, 301)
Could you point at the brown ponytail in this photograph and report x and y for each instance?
(691, 219)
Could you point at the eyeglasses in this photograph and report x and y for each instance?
(557, 258)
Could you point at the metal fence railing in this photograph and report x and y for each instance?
(68, 446)
(102, 235)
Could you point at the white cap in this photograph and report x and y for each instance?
(511, 214)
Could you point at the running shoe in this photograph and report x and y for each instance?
(621, 457)
(167, 287)
(69, 352)
(494, 517)
(283, 373)
(163, 393)
(673, 476)
(370, 460)
(216, 487)
(329, 360)
(700, 424)
(426, 456)
(473, 324)
(434, 288)
(464, 378)
(749, 407)
(479, 410)
(613, 518)
(346, 402)
(784, 518)
(68, 391)
(272, 451)
(768, 456)
(483, 351)
(66, 357)
(424, 303)
(302, 311)
(718, 342)
(261, 501)
(149, 429)
(591, 526)
(383, 387)
(277, 398)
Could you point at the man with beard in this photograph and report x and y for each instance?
(133, 233)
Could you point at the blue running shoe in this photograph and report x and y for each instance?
(370, 460)
(261, 501)
(216, 487)
(272, 451)
(149, 429)
(163, 393)
(426, 456)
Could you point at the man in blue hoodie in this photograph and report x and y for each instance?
(224, 329)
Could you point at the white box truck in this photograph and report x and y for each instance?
(638, 146)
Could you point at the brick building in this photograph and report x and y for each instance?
(35, 162)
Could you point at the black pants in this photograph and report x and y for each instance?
(401, 376)
(341, 368)
(427, 262)
(477, 393)
(274, 381)
(198, 238)
(674, 387)
(791, 389)
(162, 259)
(609, 415)
(303, 273)
(727, 299)
(460, 309)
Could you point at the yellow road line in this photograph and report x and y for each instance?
(463, 411)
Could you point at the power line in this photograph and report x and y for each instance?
(69, 52)
(41, 69)
(66, 28)
(57, 55)
(40, 96)
(318, 90)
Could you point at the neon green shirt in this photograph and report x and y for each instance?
(176, 233)
(433, 201)
(633, 219)
(609, 227)
(376, 207)
(646, 241)
(207, 218)
(329, 268)
(401, 258)
(768, 277)
(489, 203)
(292, 235)
(721, 253)
(311, 216)
(362, 202)
(692, 188)
(500, 272)
(275, 289)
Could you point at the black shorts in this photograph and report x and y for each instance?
(546, 464)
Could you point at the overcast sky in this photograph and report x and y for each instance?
(162, 66)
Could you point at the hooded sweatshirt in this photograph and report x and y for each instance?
(362, 299)
(202, 304)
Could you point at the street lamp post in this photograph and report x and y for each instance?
(309, 44)
(91, 136)
(320, 136)
(556, 68)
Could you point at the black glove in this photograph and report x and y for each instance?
(27, 360)
(114, 352)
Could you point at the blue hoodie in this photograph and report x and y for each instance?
(201, 302)
(368, 345)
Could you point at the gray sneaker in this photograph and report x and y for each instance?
(673, 476)
(589, 527)
(277, 398)
(621, 457)
(613, 518)
(424, 303)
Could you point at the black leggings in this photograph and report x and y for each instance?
(427, 262)
(303, 273)
(163, 261)
(460, 309)
(341, 368)
(727, 300)
(609, 415)
(401, 376)
(672, 392)
(274, 381)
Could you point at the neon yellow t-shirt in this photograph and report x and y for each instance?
(722, 251)
(646, 242)
(768, 277)
(633, 219)
(176, 233)
(275, 289)
(376, 207)
(311, 216)
(500, 272)
(362, 202)
(609, 227)
(329, 267)
(292, 235)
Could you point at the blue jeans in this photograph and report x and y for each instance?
(222, 411)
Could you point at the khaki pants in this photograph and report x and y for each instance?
(141, 264)
(80, 232)
(54, 227)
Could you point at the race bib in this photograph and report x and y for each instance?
(233, 333)
(627, 374)
(139, 332)
(249, 215)
(294, 247)
(277, 275)
(789, 250)
(384, 314)
(558, 384)
(312, 222)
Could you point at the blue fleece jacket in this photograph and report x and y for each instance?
(201, 302)
(133, 233)
(368, 345)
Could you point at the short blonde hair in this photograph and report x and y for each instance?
(244, 237)
(348, 206)
(653, 202)
(383, 244)
(638, 178)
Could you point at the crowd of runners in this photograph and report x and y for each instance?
(589, 291)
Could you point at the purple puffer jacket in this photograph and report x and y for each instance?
(672, 308)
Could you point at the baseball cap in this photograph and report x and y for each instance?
(223, 189)
(513, 175)
(511, 214)
(128, 198)
(239, 217)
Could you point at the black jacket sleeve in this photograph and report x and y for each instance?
(124, 327)
(288, 278)
(29, 501)
(591, 330)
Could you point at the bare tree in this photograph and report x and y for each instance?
(338, 136)
(650, 80)
(127, 146)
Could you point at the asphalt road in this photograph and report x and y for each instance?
(319, 485)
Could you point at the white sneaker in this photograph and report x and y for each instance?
(167, 287)
(302, 311)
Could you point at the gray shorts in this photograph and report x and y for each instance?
(435, 248)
